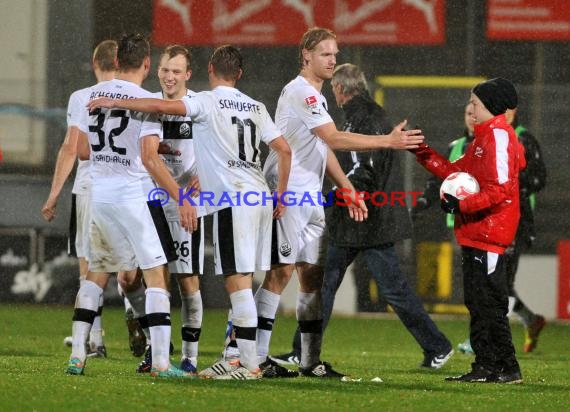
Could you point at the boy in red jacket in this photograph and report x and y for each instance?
(485, 225)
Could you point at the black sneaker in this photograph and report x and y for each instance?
(436, 361)
(320, 370)
(271, 369)
(507, 378)
(137, 338)
(477, 374)
(290, 358)
(146, 364)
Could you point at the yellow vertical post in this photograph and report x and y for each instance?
(444, 270)
(426, 268)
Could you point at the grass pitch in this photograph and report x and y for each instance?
(33, 360)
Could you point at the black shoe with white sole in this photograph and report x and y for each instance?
(320, 370)
(478, 374)
(271, 369)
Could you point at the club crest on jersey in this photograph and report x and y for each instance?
(312, 104)
(478, 151)
(285, 249)
(185, 130)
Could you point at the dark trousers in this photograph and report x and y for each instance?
(383, 264)
(512, 256)
(486, 296)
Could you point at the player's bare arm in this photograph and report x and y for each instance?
(160, 106)
(398, 138)
(83, 147)
(156, 168)
(283, 151)
(356, 208)
(63, 167)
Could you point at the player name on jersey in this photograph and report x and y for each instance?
(111, 95)
(239, 106)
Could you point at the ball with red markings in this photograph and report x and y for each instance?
(460, 185)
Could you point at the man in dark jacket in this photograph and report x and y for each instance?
(377, 171)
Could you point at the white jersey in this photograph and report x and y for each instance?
(177, 134)
(116, 168)
(181, 161)
(75, 110)
(300, 109)
(227, 128)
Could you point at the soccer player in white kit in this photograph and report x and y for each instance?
(311, 133)
(177, 151)
(104, 67)
(227, 129)
(126, 231)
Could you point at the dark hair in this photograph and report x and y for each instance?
(311, 39)
(105, 55)
(132, 50)
(227, 62)
(177, 50)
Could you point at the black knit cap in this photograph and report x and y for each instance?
(497, 95)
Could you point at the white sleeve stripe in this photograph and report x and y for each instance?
(501, 154)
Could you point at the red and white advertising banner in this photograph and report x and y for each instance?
(528, 19)
(283, 22)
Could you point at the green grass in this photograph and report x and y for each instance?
(33, 359)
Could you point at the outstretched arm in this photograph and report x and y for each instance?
(145, 105)
(397, 139)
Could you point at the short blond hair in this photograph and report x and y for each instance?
(311, 39)
(105, 55)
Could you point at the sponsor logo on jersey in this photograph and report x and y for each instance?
(285, 249)
(185, 130)
(243, 164)
(116, 159)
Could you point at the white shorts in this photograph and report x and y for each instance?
(124, 236)
(189, 249)
(242, 239)
(78, 240)
(298, 236)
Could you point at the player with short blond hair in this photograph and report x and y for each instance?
(177, 151)
(104, 67)
(303, 118)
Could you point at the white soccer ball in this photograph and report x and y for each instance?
(460, 185)
(67, 341)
